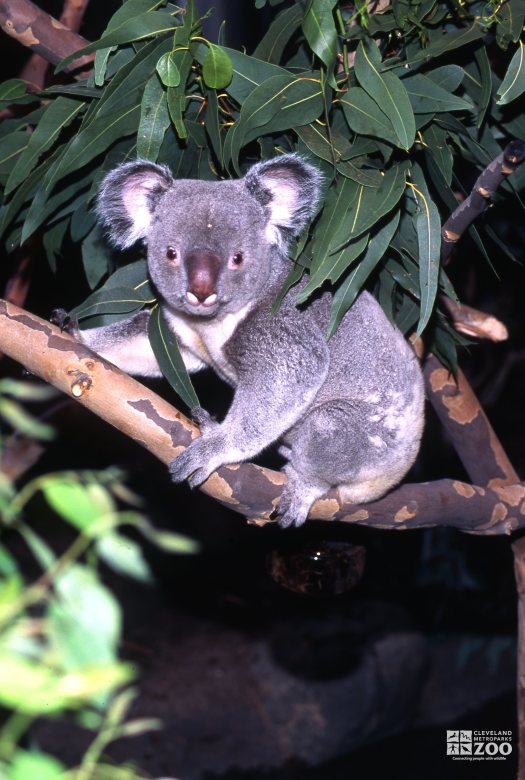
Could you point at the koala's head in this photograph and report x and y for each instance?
(211, 245)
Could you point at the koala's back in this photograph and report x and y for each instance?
(368, 355)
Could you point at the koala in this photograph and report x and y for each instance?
(347, 412)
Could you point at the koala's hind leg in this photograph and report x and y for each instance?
(346, 444)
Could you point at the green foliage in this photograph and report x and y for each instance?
(393, 101)
(60, 632)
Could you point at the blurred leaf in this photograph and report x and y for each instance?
(8, 570)
(84, 622)
(32, 688)
(154, 120)
(34, 766)
(81, 505)
(26, 390)
(166, 350)
(124, 555)
(22, 422)
(168, 540)
(513, 84)
(387, 91)
(217, 68)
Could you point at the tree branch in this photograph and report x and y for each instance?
(41, 33)
(479, 199)
(251, 490)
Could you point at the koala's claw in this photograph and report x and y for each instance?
(65, 321)
(289, 515)
(201, 416)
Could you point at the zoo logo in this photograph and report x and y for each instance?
(481, 744)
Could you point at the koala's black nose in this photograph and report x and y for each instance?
(202, 268)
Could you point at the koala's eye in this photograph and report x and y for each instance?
(236, 260)
(172, 254)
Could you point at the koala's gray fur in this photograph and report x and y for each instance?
(349, 412)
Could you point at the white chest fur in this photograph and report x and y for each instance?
(205, 339)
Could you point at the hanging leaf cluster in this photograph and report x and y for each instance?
(393, 99)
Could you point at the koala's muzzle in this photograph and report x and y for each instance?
(202, 268)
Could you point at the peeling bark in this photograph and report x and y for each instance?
(40, 32)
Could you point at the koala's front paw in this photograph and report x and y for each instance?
(65, 321)
(198, 461)
(202, 417)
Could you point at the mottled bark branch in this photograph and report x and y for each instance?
(472, 322)
(41, 33)
(251, 490)
(479, 199)
(487, 463)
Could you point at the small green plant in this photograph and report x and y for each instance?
(60, 632)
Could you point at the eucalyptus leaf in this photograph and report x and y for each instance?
(282, 28)
(168, 356)
(427, 96)
(428, 227)
(154, 120)
(280, 103)
(167, 69)
(136, 28)
(58, 114)
(217, 68)
(513, 84)
(12, 90)
(352, 285)
(448, 77)
(387, 91)
(333, 266)
(320, 32)
(365, 117)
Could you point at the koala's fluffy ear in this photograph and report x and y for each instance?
(289, 187)
(128, 197)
